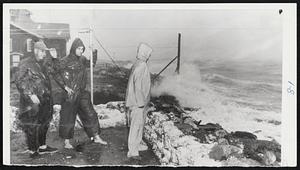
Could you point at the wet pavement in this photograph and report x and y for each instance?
(85, 152)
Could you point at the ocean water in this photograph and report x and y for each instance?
(246, 84)
(239, 95)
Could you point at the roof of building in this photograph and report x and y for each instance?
(16, 53)
(21, 28)
(45, 30)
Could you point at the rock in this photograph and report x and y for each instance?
(217, 153)
(191, 109)
(233, 161)
(222, 152)
(209, 133)
(171, 116)
(269, 158)
(202, 137)
(185, 128)
(257, 131)
(191, 122)
(104, 117)
(111, 106)
(275, 122)
(223, 141)
(252, 148)
(210, 138)
(166, 156)
(241, 134)
(273, 140)
(242, 148)
(210, 127)
(174, 158)
(221, 133)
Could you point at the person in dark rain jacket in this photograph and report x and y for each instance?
(71, 75)
(36, 109)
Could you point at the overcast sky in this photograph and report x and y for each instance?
(206, 33)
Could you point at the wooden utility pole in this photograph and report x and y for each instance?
(178, 54)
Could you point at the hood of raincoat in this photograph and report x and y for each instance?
(76, 43)
(144, 52)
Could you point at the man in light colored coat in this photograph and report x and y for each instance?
(137, 100)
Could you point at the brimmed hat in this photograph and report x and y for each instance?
(41, 45)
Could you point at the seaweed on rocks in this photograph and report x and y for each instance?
(208, 133)
(244, 135)
(167, 104)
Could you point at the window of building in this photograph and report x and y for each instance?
(15, 64)
(15, 60)
(29, 45)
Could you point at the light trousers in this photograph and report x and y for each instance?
(137, 118)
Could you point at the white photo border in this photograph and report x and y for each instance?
(289, 61)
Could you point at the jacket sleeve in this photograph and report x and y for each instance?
(55, 68)
(86, 62)
(142, 85)
(23, 82)
(147, 85)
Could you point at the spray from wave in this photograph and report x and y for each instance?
(192, 90)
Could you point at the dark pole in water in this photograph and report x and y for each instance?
(178, 54)
(165, 67)
(177, 57)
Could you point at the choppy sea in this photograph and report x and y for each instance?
(239, 95)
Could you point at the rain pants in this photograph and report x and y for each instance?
(70, 71)
(138, 97)
(32, 79)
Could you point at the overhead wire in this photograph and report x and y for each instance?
(111, 58)
(107, 53)
(99, 43)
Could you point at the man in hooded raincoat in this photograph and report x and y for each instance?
(70, 73)
(34, 86)
(137, 100)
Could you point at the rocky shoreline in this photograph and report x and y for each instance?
(178, 140)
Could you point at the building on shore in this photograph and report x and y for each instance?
(24, 32)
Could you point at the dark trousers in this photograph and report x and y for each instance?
(83, 107)
(35, 124)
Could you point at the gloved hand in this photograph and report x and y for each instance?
(69, 90)
(94, 57)
(34, 99)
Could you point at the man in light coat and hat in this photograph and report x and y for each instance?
(137, 100)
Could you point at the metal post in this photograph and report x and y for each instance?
(165, 67)
(178, 54)
(91, 64)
